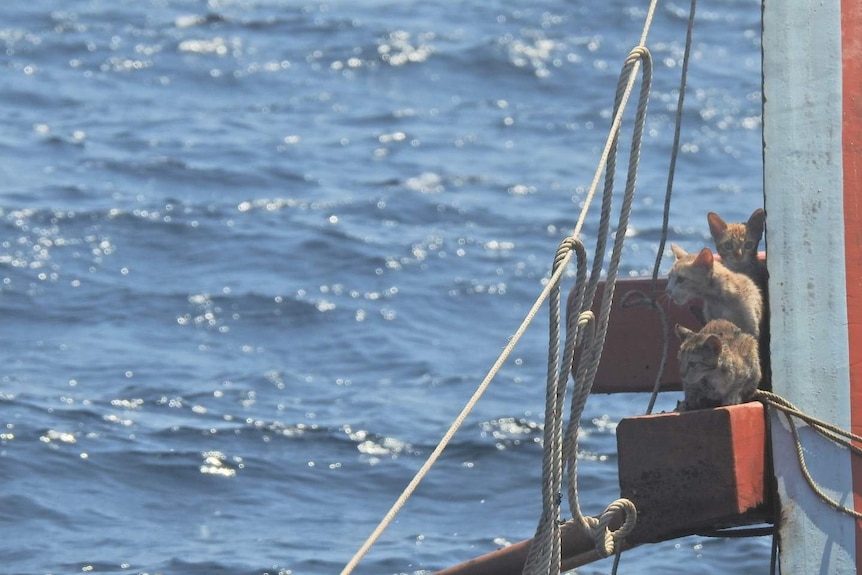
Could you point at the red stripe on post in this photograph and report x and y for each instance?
(851, 56)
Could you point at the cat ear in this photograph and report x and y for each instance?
(714, 343)
(704, 258)
(716, 224)
(683, 332)
(678, 252)
(754, 226)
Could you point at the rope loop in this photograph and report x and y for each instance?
(568, 245)
(583, 331)
(638, 53)
(599, 527)
(559, 456)
(586, 318)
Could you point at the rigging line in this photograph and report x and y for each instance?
(587, 370)
(803, 467)
(832, 432)
(456, 425)
(542, 557)
(552, 284)
(608, 156)
(513, 341)
(650, 301)
(825, 428)
(676, 137)
(615, 125)
(560, 452)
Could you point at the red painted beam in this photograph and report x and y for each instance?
(685, 472)
(633, 348)
(577, 549)
(692, 471)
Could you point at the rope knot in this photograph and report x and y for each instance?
(568, 245)
(598, 527)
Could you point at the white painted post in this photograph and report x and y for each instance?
(804, 200)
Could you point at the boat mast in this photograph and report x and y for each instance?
(812, 136)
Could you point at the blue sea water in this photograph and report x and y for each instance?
(255, 255)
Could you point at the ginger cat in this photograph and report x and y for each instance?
(737, 245)
(725, 294)
(719, 365)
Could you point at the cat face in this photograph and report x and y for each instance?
(718, 365)
(689, 274)
(737, 243)
(698, 352)
(699, 361)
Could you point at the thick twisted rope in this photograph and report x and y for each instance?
(606, 539)
(551, 285)
(827, 430)
(651, 299)
(548, 531)
(561, 452)
(637, 56)
(588, 366)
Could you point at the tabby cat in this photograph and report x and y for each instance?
(725, 294)
(719, 365)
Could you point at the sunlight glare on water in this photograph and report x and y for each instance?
(256, 255)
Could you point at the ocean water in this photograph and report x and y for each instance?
(255, 255)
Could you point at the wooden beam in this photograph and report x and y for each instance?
(693, 471)
(633, 348)
(577, 549)
(686, 473)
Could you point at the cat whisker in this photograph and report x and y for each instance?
(664, 300)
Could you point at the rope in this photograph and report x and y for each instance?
(683, 80)
(607, 161)
(606, 540)
(587, 370)
(561, 452)
(827, 430)
(665, 334)
(651, 301)
(541, 557)
(450, 433)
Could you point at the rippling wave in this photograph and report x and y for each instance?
(255, 256)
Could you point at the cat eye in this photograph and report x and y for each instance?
(727, 245)
(749, 246)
